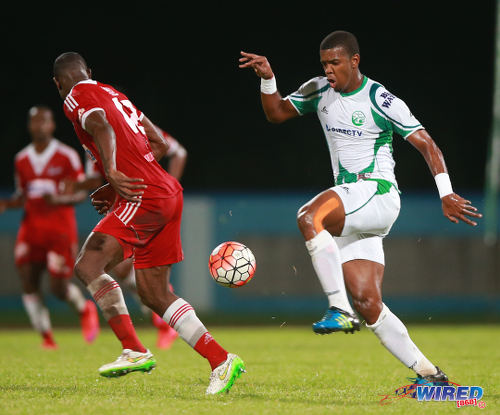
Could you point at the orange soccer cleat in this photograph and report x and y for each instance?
(89, 320)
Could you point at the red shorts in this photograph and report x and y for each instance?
(56, 249)
(150, 230)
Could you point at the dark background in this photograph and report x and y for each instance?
(180, 66)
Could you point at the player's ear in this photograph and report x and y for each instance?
(89, 73)
(58, 84)
(355, 60)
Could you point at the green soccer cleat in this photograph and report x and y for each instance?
(129, 361)
(224, 375)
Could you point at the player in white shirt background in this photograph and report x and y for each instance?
(344, 226)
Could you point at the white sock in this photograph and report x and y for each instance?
(182, 317)
(108, 296)
(325, 256)
(37, 312)
(393, 334)
(75, 297)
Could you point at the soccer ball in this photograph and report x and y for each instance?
(232, 264)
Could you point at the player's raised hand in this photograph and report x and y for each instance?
(456, 209)
(127, 187)
(258, 63)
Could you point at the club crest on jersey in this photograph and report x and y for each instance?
(80, 113)
(358, 118)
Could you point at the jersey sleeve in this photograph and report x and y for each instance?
(307, 97)
(80, 103)
(394, 110)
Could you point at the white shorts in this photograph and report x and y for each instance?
(370, 214)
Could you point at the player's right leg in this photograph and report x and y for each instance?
(125, 273)
(100, 253)
(154, 289)
(326, 211)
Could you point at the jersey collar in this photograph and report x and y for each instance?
(363, 83)
(85, 81)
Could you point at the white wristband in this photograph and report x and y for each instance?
(268, 86)
(443, 184)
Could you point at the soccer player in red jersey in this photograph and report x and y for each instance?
(47, 237)
(144, 221)
(176, 156)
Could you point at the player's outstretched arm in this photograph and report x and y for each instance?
(15, 202)
(455, 207)
(177, 162)
(104, 137)
(275, 107)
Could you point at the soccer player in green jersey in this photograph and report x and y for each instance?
(344, 226)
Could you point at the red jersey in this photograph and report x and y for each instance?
(92, 170)
(38, 174)
(134, 157)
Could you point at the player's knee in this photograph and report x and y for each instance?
(369, 307)
(83, 272)
(305, 219)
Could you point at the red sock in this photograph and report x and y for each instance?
(125, 331)
(211, 350)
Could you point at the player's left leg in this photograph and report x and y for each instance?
(363, 279)
(318, 220)
(30, 274)
(100, 253)
(153, 287)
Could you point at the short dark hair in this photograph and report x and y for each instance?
(68, 61)
(343, 39)
(40, 107)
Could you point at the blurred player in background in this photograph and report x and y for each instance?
(358, 116)
(176, 160)
(144, 222)
(47, 237)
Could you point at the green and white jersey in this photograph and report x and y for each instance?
(358, 126)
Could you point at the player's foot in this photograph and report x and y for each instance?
(166, 334)
(224, 375)
(48, 341)
(89, 320)
(129, 361)
(439, 378)
(336, 319)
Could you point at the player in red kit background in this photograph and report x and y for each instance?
(143, 222)
(47, 237)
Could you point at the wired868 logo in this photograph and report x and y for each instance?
(444, 392)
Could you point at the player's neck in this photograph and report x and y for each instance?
(41, 145)
(356, 82)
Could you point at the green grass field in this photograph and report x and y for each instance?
(289, 371)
